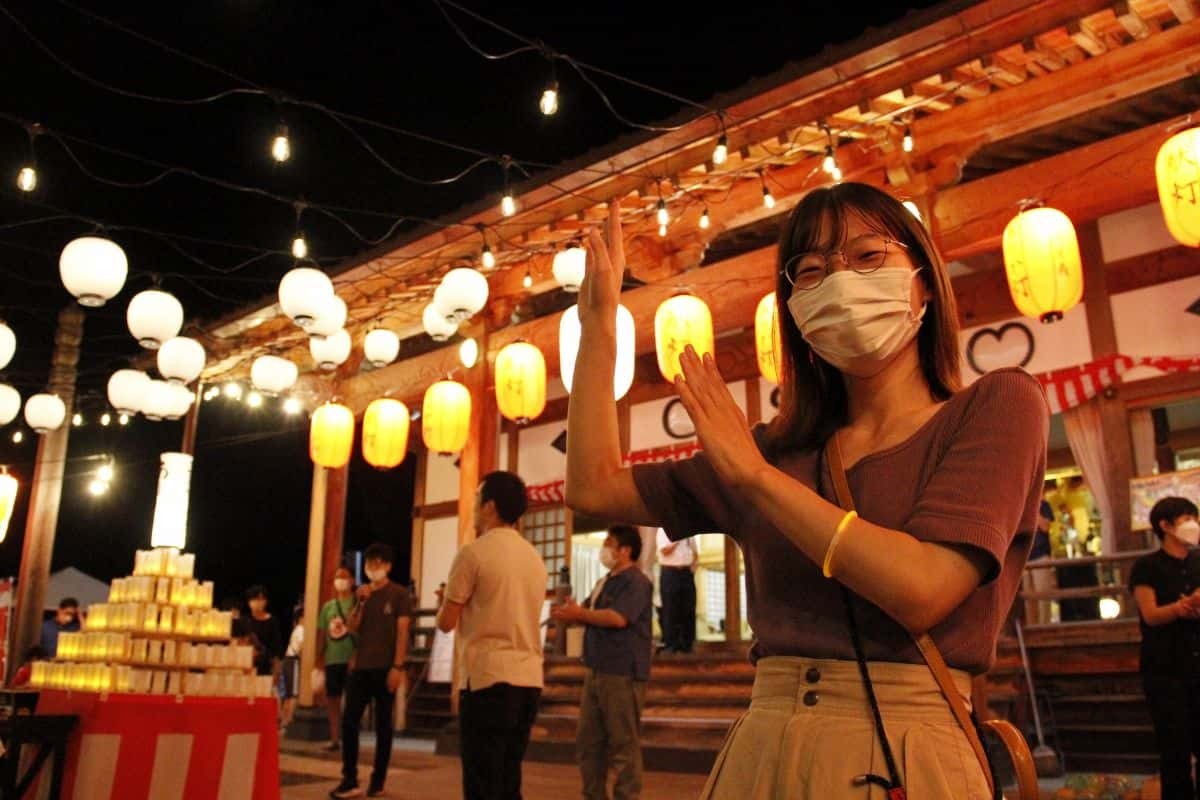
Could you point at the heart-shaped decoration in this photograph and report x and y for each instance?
(676, 421)
(1009, 346)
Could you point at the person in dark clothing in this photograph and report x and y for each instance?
(1166, 586)
(379, 622)
(262, 630)
(65, 620)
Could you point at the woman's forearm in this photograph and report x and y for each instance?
(916, 583)
(593, 438)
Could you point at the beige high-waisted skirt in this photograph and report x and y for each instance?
(809, 733)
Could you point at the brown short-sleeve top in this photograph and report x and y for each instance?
(971, 475)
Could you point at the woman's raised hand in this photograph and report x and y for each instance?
(601, 289)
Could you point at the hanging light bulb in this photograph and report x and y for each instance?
(508, 205)
(105, 473)
(281, 148)
(704, 220)
(299, 246)
(77, 419)
(549, 102)
(254, 400)
(908, 140)
(27, 178)
(468, 352)
(721, 151)
(97, 487)
(105, 419)
(291, 406)
(829, 164)
(662, 230)
(233, 391)
(123, 419)
(768, 198)
(527, 281)
(486, 258)
(837, 173)
(18, 437)
(662, 214)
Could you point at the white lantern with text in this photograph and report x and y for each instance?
(171, 504)
(180, 402)
(302, 294)
(45, 412)
(331, 317)
(273, 375)
(10, 403)
(461, 295)
(93, 269)
(436, 325)
(157, 401)
(181, 360)
(569, 266)
(569, 333)
(154, 317)
(127, 389)
(8, 345)
(330, 351)
(381, 347)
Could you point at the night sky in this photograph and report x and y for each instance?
(218, 249)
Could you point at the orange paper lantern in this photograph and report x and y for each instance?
(385, 433)
(446, 417)
(768, 341)
(1177, 169)
(520, 382)
(1042, 262)
(682, 320)
(331, 436)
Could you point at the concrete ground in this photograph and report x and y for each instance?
(307, 773)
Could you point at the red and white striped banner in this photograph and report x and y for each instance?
(552, 493)
(145, 747)
(1073, 386)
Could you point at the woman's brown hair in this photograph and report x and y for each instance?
(813, 401)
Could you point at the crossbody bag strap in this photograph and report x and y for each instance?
(929, 651)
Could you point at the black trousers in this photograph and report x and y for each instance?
(494, 726)
(677, 585)
(1175, 708)
(365, 686)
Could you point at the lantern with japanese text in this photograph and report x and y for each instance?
(682, 320)
(385, 433)
(446, 417)
(520, 382)
(1042, 262)
(331, 436)
(1177, 169)
(768, 342)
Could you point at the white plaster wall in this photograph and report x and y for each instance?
(538, 460)
(1060, 344)
(441, 478)
(440, 545)
(502, 453)
(1133, 232)
(1154, 321)
(646, 420)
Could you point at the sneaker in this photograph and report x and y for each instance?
(346, 789)
(375, 791)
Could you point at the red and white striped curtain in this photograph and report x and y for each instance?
(1072, 386)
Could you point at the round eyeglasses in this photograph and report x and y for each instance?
(863, 254)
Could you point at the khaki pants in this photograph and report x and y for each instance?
(609, 736)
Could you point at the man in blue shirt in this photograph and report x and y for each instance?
(616, 652)
(66, 619)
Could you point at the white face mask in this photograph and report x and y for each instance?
(376, 575)
(1188, 532)
(857, 322)
(341, 584)
(608, 557)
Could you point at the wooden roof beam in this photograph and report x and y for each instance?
(1184, 10)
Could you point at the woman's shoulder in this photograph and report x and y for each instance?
(1011, 390)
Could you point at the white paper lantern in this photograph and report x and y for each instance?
(45, 412)
(568, 268)
(154, 317)
(330, 351)
(461, 294)
(436, 325)
(8, 345)
(171, 503)
(381, 347)
(127, 389)
(569, 332)
(303, 293)
(158, 401)
(180, 402)
(330, 319)
(181, 360)
(10, 403)
(93, 269)
(273, 375)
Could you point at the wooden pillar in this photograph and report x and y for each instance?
(417, 551)
(312, 582)
(46, 491)
(1114, 417)
(333, 537)
(479, 456)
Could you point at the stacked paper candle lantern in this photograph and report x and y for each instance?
(157, 634)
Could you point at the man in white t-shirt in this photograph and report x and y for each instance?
(494, 596)
(677, 586)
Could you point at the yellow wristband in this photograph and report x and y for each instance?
(837, 534)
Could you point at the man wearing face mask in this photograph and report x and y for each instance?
(335, 646)
(1166, 586)
(379, 622)
(494, 596)
(616, 652)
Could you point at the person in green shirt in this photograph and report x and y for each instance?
(335, 647)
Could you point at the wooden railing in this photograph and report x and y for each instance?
(1039, 586)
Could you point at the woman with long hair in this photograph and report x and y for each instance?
(946, 482)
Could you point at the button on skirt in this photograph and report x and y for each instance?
(809, 733)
